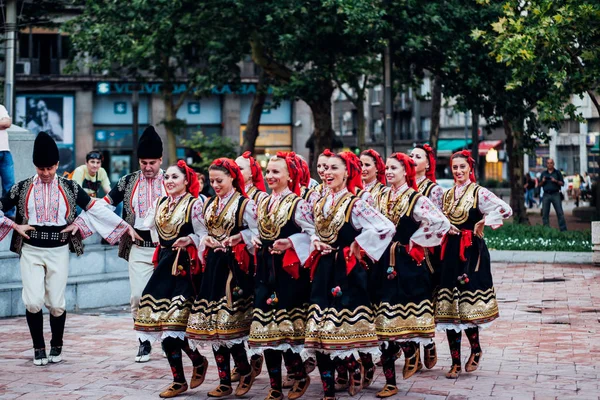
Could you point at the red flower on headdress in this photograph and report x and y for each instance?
(257, 176)
(409, 168)
(193, 186)
(294, 169)
(379, 163)
(466, 154)
(353, 169)
(328, 153)
(234, 170)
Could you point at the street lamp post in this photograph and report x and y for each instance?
(389, 114)
(10, 30)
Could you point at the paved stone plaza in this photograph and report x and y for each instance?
(546, 345)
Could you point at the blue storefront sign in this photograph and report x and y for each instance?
(106, 88)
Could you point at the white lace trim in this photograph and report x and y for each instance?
(282, 347)
(461, 327)
(159, 336)
(375, 352)
(421, 341)
(194, 343)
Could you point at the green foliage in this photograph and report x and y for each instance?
(210, 148)
(537, 238)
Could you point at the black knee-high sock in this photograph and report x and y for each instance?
(172, 348)
(273, 361)
(409, 349)
(36, 328)
(238, 353)
(326, 367)
(367, 360)
(294, 365)
(388, 359)
(194, 355)
(353, 367)
(454, 339)
(57, 325)
(222, 358)
(473, 336)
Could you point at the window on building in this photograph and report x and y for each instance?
(426, 88)
(347, 124)
(377, 95)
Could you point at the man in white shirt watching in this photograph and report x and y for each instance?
(7, 169)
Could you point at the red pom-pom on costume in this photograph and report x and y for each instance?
(258, 179)
(234, 171)
(379, 163)
(409, 167)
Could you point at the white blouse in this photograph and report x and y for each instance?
(436, 195)
(493, 208)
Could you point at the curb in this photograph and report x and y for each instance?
(540, 257)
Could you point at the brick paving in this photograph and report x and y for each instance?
(544, 346)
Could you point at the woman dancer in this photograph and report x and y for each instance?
(167, 299)
(253, 177)
(466, 299)
(425, 163)
(282, 287)
(308, 194)
(373, 173)
(404, 309)
(222, 311)
(341, 322)
(321, 188)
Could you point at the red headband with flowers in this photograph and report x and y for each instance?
(353, 169)
(327, 153)
(257, 176)
(234, 170)
(193, 186)
(293, 166)
(409, 168)
(379, 163)
(305, 169)
(466, 154)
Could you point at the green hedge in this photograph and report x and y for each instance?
(538, 238)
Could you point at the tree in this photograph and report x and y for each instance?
(306, 45)
(166, 41)
(209, 148)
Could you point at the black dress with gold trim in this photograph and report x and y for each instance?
(282, 287)
(168, 297)
(341, 321)
(222, 311)
(402, 281)
(463, 303)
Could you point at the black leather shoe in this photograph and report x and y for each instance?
(144, 351)
(55, 354)
(39, 357)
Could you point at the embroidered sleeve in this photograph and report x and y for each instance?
(433, 224)
(493, 209)
(6, 225)
(149, 223)
(199, 226)
(303, 217)
(10, 199)
(436, 196)
(81, 222)
(312, 199)
(368, 198)
(117, 194)
(99, 218)
(376, 230)
(250, 218)
(82, 199)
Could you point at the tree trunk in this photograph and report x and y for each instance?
(170, 116)
(256, 110)
(475, 144)
(436, 107)
(361, 122)
(321, 111)
(514, 132)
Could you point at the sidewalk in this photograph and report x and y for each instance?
(546, 345)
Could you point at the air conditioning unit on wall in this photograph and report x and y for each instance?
(23, 67)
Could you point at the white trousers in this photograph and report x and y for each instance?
(140, 271)
(44, 273)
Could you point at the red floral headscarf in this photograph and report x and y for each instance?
(234, 171)
(193, 186)
(257, 176)
(293, 165)
(409, 168)
(379, 163)
(430, 173)
(305, 169)
(327, 153)
(466, 154)
(353, 169)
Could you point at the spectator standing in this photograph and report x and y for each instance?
(552, 182)
(7, 169)
(577, 179)
(530, 185)
(91, 176)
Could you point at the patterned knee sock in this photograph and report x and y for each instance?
(367, 360)
(341, 369)
(409, 349)
(273, 361)
(294, 365)
(388, 358)
(454, 339)
(238, 353)
(473, 336)
(222, 355)
(326, 367)
(194, 355)
(172, 347)
(353, 367)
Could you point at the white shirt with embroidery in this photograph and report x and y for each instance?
(261, 194)
(376, 230)
(433, 224)
(436, 195)
(491, 206)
